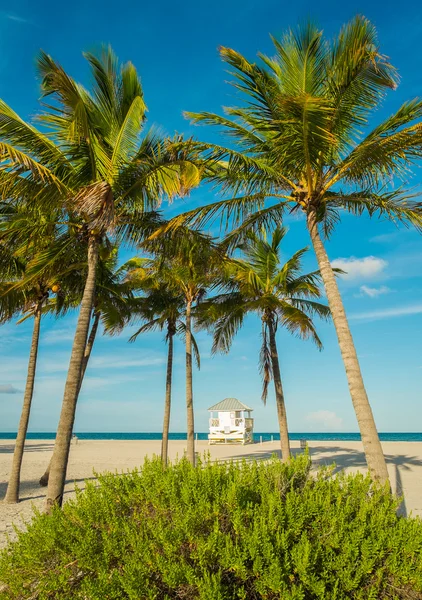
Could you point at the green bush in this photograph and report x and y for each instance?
(220, 531)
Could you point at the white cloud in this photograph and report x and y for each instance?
(325, 420)
(360, 268)
(397, 311)
(373, 292)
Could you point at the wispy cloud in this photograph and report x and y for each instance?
(398, 234)
(373, 292)
(360, 268)
(112, 362)
(9, 389)
(325, 419)
(17, 18)
(387, 313)
(92, 384)
(60, 362)
(56, 336)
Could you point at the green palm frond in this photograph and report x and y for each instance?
(258, 282)
(399, 206)
(311, 308)
(298, 323)
(181, 331)
(289, 272)
(385, 153)
(152, 325)
(95, 166)
(298, 135)
(308, 285)
(31, 141)
(226, 328)
(265, 363)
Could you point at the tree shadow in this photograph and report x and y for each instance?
(350, 458)
(251, 456)
(345, 458)
(10, 448)
(31, 485)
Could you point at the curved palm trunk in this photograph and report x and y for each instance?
(189, 389)
(12, 493)
(67, 417)
(167, 405)
(371, 443)
(279, 396)
(44, 479)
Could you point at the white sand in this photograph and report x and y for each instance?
(404, 464)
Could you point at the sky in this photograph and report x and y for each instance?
(174, 45)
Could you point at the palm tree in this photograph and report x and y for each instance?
(31, 302)
(280, 295)
(22, 234)
(94, 165)
(162, 309)
(189, 264)
(113, 304)
(297, 147)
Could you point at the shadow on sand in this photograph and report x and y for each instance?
(344, 458)
(32, 485)
(340, 457)
(9, 448)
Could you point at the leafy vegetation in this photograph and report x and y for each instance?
(221, 531)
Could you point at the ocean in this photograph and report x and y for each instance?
(266, 437)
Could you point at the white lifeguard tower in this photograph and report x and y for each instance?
(230, 423)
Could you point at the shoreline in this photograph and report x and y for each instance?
(404, 460)
(203, 436)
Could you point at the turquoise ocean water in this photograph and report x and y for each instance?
(349, 437)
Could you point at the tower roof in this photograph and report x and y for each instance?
(229, 404)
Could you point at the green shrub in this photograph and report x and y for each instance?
(220, 531)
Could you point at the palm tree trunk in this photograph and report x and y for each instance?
(189, 389)
(91, 339)
(167, 405)
(67, 417)
(12, 493)
(370, 439)
(279, 396)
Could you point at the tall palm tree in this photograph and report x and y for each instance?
(113, 304)
(162, 309)
(23, 233)
(297, 147)
(93, 163)
(31, 303)
(280, 295)
(189, 265)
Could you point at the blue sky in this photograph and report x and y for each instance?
(174, 46)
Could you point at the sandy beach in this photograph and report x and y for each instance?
(404, 463)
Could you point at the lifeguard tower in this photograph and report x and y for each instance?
(230, 423)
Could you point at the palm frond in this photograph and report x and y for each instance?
(397, 205)
(297, 322)
(181, 331)
(265, 363)
(147, 327)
